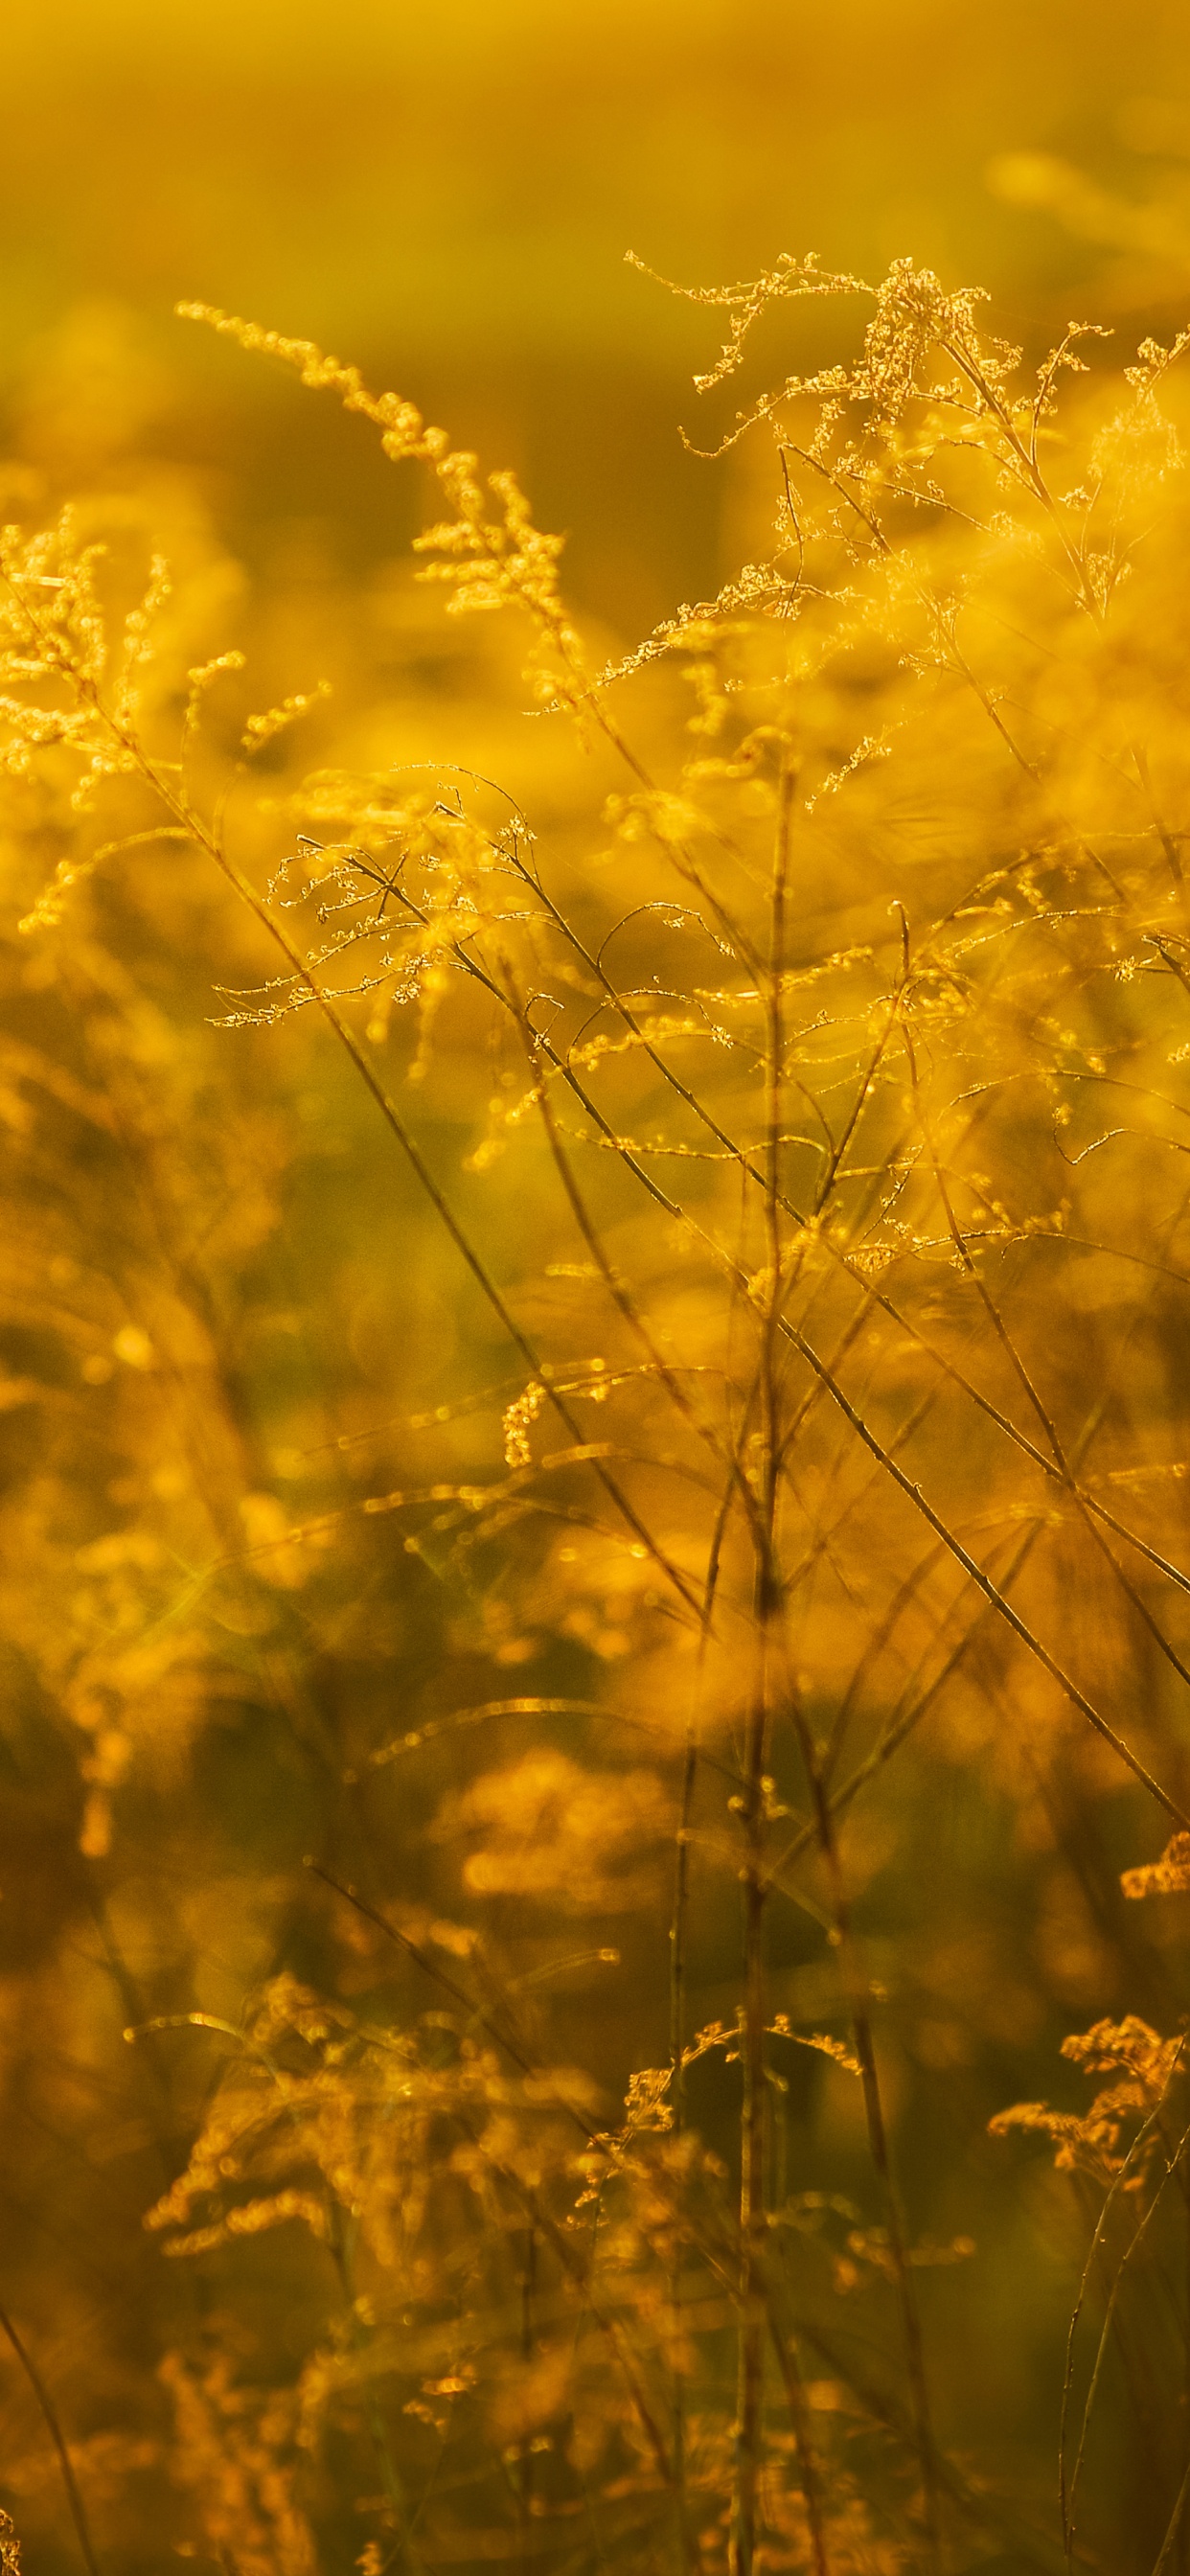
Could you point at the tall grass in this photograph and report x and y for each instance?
(623, 1407)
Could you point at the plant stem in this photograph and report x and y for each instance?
(58, 2438)
(754, 1798)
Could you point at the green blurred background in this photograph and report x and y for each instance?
(446, 193)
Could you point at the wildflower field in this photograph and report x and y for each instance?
(594, 1534)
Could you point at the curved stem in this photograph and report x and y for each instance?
(54, 2428)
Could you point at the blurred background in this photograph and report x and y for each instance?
(446, 193)
(443, 193)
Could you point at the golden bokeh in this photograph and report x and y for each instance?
(594, 1792)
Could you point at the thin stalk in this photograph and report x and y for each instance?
(678, 1933)
(1175, 2525)
(1088, 1504)
(975, 1276)
(757, 1889)
(621, 1295)
(755, 1173)
(1020, 1627)
(186, 817)
(861, 2023)
(809, 2470)
(177, 805)
(823, 1831)
(678, 1937)
(1069, 2486)
(753, 2215)
(753, 1803)
(340, 2251)
(53, 2426)
(756, 2311)
(536, 2215)
(525, 2458)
